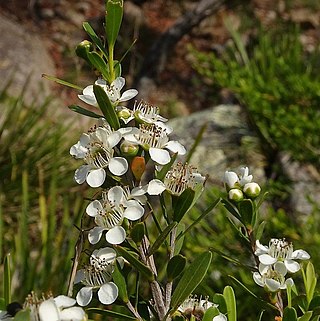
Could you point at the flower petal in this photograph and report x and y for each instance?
(72, 314)
(272, 285)
(292, 266)
(159, 155)
(155, 187)
(280, 267)
(128, 94)
(84, 296)
(94, 208)
(176, 147)
(118, 83)
(108, 293)
(230, 178)
(118, 166)
(48, 311)
(96, 177)
(220, 317)
(63, 301)
(260, 249)
(116, 195)
(80, 275)
(81, 173)
(116, 235)
(267, 259)
(300, 255)
(134, 211)
(106, 253)
(258, 278)
(94, 234)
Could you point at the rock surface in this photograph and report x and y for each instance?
(23, 54)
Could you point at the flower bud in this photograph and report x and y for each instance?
(138, 166)
(230, 179)
(251, 190)
(83, 48)
(124, 113)
(129, 149)
(235, 195)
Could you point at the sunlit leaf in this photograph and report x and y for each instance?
(210, 314)
(111, 314)
(182, 203)
(83, 111)
(113, 20)
(61, 82)
(121, 283)
(97, 62)
(23, 315)
(230, 298)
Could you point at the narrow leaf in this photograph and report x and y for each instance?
(230, 298)
(111, 314)
(259, 230)
(180, 238)
(136, 263)
(113, 20)
(191, 278)
(137, 233)
(221, 302)
(98, 63)
(91, 33)
(161, 238)
(7, 279)
(106, 107)
(83, 111)
(311, 281)
(306, 317)
(231, 209)
(246, 211)
(120, 281)
(210, 314)
(61, 82)
(23, 315)
(182, 203)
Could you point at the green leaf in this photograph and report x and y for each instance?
(306, 317)
(259, 230)
(180, 238)
(2, 304)
(220, 300)
(7, 279)
(191, 278)
(230, 298)
(311, 281)
(175, 266)
(83, 111)
(289, 314)
(23, 315)
(136, 263)
(106, 107)
(89, 30)
(231, 209)
(61, 82)
(182, 203)
(111, 314)
(246, 212)
(210, 314)
(161, 238)
(137, 233)
(121, 283)
(97, 62)
(315, 302)
(113, 20)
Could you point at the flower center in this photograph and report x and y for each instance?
(146, 110)
(32, 303)
(280, 249)
(98, 272)
(152, 136)
(98, 155)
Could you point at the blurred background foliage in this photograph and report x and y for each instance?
(276, 81)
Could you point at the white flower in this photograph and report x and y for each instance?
(177, 180)
(47, 308)
(280, 250)
(232, 180)
(116, 204)
(113, 92)
(97, 276)
(96, 149)
(147, 113)
(220, 317)
(195, 306)
(155, 140)
(272, 277)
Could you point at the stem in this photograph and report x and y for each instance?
(134, 311)
(154, 285)
(171, 253)
(279, 303)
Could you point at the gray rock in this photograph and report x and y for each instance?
(23, 54)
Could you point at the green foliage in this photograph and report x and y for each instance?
(37, 212)
(279, 85)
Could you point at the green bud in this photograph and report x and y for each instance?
(124, 113)
(83, 48)
(129, 149)
(235, 195)
(252, 190)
